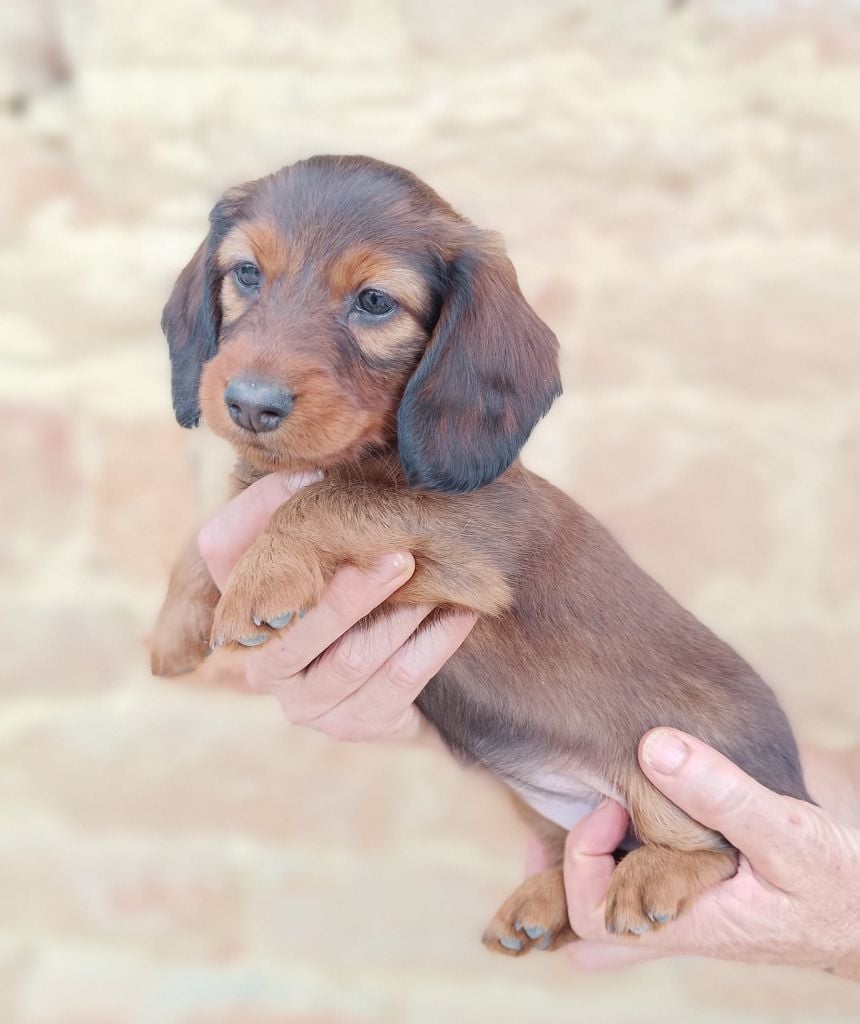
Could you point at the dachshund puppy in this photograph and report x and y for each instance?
(340, 316)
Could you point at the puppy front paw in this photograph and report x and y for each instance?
(272, 585)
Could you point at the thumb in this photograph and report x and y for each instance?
(589, 865)
(766, 827)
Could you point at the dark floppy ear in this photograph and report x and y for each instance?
(192, 317)
(488, 374)
(190, 322)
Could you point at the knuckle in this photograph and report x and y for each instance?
(733, 796)
(349, 659)
(402, 675)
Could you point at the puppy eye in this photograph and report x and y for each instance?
(248, 275)
(375, 302)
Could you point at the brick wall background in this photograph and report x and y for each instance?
(679, 185)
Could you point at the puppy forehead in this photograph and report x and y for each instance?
(327, 204)
(354, 220)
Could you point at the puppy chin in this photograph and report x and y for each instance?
(273, 460)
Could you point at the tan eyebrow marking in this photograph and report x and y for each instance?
(260, 243)
(363, 267)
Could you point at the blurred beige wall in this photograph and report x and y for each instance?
(679, 186)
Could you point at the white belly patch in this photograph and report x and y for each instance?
(564, 799)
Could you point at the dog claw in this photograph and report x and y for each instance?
(534, 932)
(659, 918)
(639, 929)
(253, 641)
(513, 944)
(280, 621)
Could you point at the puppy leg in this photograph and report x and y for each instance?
(308, 538)
(535, 915)
(653, 884)
(181, 636)
(679, 860)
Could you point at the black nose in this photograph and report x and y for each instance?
(258, 405)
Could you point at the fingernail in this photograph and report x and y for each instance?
(296, 481)
(390, 566)
(664, 751)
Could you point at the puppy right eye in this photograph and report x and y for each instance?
(248, 275)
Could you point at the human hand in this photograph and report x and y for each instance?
(795, 899)
(351, 682)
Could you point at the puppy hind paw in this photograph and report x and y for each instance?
(653, 885)
(534, 917)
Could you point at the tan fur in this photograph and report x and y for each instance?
(657, 820)
(533, 917)
(184, 627)
(233, 304)
(367, 266)
(236, 248)
(385, 340)
(653, 884)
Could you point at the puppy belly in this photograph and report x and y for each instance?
(563, 799)
(564, 811)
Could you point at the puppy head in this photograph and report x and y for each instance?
(340, 307)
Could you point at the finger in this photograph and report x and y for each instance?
(604, 956)
(229, 534)
(384, 705)
(345, 667)
(352, 594)
(589, 865)
(767, 827)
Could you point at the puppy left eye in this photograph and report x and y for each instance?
(375, 302)
(248, 275)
